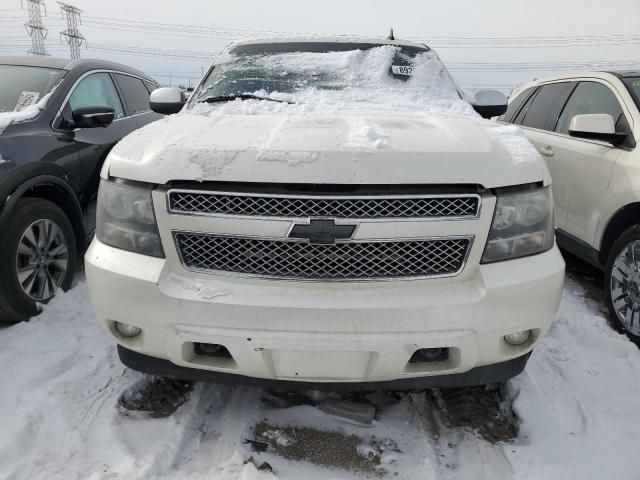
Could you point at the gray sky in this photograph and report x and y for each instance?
(484, 42)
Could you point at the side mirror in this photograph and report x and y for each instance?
(596, 126)
(92, 116)
(167, 100)
(490, 103)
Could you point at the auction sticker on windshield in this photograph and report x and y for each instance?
(402, 70)
(26, 99)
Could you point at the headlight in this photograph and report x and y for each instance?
(522, 225)
(125, 218)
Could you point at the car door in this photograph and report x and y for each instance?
(93, 144)
(585, 166)
(538, 117)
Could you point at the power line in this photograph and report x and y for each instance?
(441, 42)
(199, 56)
(35, 28)
(74, 38)
(559, 41)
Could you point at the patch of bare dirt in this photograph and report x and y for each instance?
(480, 409)
(326, 448)
(157, 397)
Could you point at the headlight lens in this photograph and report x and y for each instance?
(522, 225)
(125, 218)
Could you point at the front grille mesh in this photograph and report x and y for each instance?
(341, 261)
(189, 202)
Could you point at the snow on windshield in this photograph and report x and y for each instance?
(27, 113)
(351, 79)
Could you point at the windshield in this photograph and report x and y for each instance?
(340, 73)
(633, 84)
(22, 86)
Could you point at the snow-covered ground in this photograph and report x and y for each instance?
(60, 382)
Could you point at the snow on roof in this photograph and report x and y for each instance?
(330, 39)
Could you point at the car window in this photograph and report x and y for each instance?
(587, 98)
(150, 86)
(24, 86)
(546, 106)
(97, 89)
(515, 105)
(525, 108)
(136, 95)
(633, 85)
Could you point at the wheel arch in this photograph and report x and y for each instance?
(57, 191)
(624, 218)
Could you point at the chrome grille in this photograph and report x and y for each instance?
(301, 206)
(340, 261)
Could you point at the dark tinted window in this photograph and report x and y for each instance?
(525, 108)
(588, 98)
(136, 95)
(150, 86)
(515, 105)
(546, 106)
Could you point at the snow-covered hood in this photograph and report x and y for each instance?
(356, 147)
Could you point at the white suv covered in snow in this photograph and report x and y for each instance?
(322, 213)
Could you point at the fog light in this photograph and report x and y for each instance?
(517, 338)
(127, 330)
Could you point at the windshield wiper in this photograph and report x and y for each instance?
(241, 96)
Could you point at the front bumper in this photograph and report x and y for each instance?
(351, 333)
(486, 375)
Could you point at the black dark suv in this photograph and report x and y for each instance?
(58, 120)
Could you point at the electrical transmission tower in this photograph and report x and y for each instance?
(35, 28)
(73, 36)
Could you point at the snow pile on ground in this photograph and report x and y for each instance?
(61, 381)
(579, 400)
(27, 113)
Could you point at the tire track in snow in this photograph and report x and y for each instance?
(458, 452)
(213, 431)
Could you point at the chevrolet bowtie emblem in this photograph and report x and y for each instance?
(322, 231)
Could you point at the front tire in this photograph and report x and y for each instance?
(38, 257)
(622, 284)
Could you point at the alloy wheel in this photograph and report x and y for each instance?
(625, 287)
(42, 259)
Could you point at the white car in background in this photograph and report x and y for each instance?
(587, 126)
(326, 213)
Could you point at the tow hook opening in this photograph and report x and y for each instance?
(430, 355)
(214, 350)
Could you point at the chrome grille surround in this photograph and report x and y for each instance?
(409, 206)
(287, 259)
